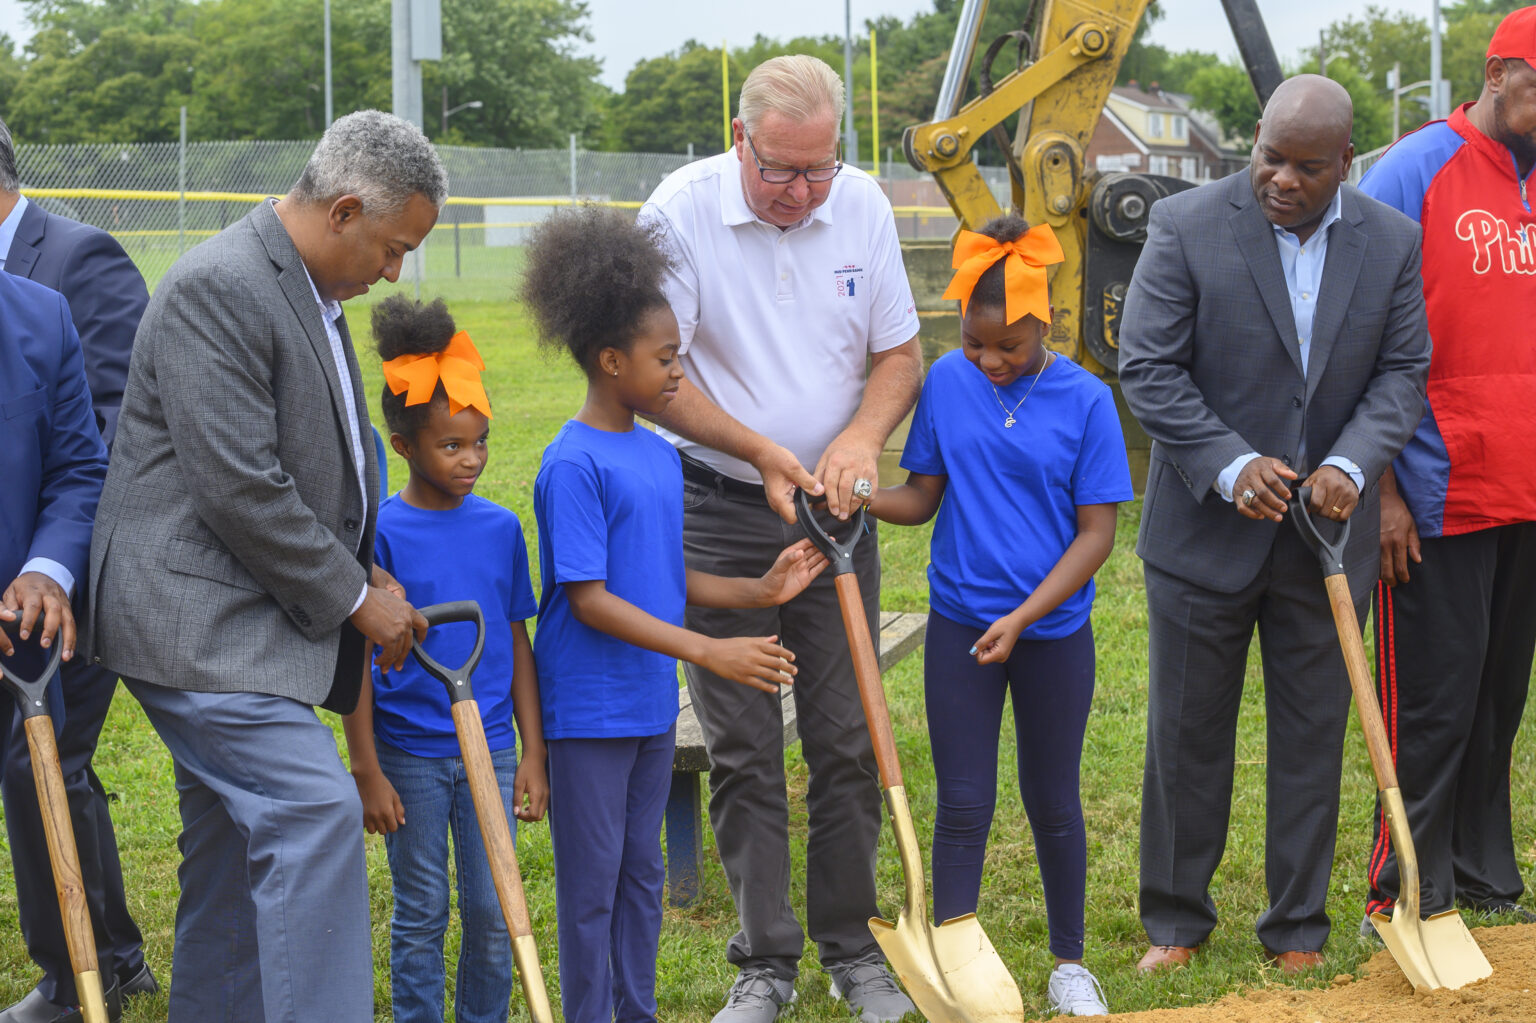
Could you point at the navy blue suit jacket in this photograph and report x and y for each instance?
(52, 459)
(105, 291)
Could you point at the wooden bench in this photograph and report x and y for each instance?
(900, 634)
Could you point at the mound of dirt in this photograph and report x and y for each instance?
(1382, 995)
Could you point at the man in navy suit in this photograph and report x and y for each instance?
(53, 462)
(106, 297)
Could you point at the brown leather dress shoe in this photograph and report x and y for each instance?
(1295, 961)
(1160, 957)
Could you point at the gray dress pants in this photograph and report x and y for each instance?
(733, 535)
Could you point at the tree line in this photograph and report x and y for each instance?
(120, 70)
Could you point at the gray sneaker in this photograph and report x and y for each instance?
(869, 989)
(756, 997)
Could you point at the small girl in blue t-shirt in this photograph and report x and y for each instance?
(1020, 453)
(609, 502)
(442, 543)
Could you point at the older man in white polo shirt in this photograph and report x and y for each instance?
(799, 337)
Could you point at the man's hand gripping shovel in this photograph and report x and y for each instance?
(1438, 952)
(58, 831)
(951, 971)
(492, 815)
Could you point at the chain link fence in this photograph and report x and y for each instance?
(159, 199)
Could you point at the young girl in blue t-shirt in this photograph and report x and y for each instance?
(609, 502)
(443, 543)
(1020, 453)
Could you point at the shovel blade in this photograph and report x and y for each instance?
(951, 972)
(1435, 953)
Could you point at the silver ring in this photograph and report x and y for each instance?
(862, 488)
(1248, 496)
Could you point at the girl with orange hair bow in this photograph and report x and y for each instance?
(1020, 454)
(442, 542)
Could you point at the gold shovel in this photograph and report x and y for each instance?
(952, 972)
(486, 796)
(59, 831)
(1438, 952)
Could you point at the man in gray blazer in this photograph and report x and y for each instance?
(232, 576)
(1273, 334)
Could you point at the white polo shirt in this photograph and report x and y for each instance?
(777, 325)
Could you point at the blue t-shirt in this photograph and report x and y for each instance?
(1010, 506)
(610, 507)
(474, 552)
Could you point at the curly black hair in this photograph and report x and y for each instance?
(990, 291)
(403, 326)
(592, 275)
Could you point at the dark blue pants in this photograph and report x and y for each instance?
(87, 694)
(1052, 686)
(606, 802)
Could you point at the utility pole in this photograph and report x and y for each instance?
(1436, 102)
(330, 111)
(416, 35)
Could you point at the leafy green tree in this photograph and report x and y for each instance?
(671, 101)
(126, 85)
(1224, 91)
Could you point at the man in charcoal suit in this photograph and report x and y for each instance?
(1273, 335)
(232, 576)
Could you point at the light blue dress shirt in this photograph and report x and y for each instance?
(1302, 263)
(8, 228)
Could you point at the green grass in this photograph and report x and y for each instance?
(532, 395)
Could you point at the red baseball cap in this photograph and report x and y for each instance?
(1516, 36)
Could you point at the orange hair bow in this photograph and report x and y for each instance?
(458, 367)
(1026, 287)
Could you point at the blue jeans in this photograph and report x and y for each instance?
(435, 793)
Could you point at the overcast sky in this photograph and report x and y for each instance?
(627, 31)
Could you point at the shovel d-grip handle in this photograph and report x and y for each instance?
(30, 693)
(839, 554)
(1330, 554)
(456, 679)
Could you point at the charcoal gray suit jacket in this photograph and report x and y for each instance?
(232, 541)
(1211, 368)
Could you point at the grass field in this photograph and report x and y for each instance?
(532, 395)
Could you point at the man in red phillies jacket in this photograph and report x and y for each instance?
(1456, 605)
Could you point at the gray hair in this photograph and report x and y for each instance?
(798, 86)
(9, 180)
(377, 157)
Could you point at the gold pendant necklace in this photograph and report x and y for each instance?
(1007, 412)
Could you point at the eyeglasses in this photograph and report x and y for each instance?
(784, 175)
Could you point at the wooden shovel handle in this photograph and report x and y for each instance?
(1366, 705)
(59, 834)
(866, 668)
(492, 814)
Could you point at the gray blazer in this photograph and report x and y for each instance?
(1210, 367)
(231, 541)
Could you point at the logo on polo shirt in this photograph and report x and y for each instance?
(849, 280)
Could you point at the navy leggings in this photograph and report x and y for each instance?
(1052, 686)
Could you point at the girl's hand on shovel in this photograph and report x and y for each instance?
(756, 661)
(792, 572)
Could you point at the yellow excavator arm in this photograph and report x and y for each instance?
(1074, 54)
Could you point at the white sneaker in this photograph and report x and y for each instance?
(1073, 991)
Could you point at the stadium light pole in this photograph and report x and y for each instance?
(850, 138)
